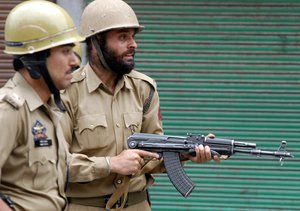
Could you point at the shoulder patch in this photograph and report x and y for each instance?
(136, 74)
(14, 99)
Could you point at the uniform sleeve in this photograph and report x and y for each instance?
(152, 119)
(152, 123)
(81, 167)
(86, 169)
(9, 130)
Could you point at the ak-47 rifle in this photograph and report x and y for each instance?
(170, 148)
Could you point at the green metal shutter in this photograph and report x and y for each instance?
(6, 69)
(231, 68)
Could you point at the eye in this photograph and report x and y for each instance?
(123, 37)
(67, 50)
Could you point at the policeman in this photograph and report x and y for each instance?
(33, 166)
(108, 101)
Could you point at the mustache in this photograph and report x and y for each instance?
(130, 51)
(75, 68)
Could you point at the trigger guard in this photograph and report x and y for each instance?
(213, 153)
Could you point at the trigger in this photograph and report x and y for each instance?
(213, 153)
(160, 155)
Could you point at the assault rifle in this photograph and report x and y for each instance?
(170, 148)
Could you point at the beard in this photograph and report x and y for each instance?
(116, 62)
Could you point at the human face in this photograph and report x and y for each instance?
(60, 64)
(119, 50)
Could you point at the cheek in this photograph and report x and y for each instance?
(58, 62)
(55, 66)
(50, 63)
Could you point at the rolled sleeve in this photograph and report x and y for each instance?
(85, 169)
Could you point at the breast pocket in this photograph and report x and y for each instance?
(42, 173)
(133, 123)
(92, 131)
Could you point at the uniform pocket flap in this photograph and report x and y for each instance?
(91, 122)
(41, 155)
(133, 119)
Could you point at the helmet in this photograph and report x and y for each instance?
(37, 25)
(103, 15)
(33, 27)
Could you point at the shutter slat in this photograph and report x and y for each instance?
(230, 68)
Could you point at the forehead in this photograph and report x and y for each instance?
(120, 31)
(63, 46)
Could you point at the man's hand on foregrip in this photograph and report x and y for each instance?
(203, 155)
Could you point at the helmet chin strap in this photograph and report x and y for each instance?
(100, 54)
(52, 87)
(36, 66)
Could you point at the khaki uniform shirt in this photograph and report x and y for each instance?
(102, 121)
(32, 158)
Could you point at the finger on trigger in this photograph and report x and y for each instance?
(144, 153)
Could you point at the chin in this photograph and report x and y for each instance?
(64, 86)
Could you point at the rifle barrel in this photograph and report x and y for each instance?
(259, 152)
(244, 144)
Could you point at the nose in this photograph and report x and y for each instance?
(132, 43)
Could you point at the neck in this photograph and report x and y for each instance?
(108, 78)
(39, 85)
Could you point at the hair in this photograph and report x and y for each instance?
(17, 59)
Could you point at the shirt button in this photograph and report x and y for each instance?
(119, 181)
(118, 125)
(83, 73)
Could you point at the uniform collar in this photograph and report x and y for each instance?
(127, 81)
(93, 81)
(30, 96)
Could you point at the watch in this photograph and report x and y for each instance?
(7, 200)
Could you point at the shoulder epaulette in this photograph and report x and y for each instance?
(136, 74)
(78, 75)
(14, 99)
